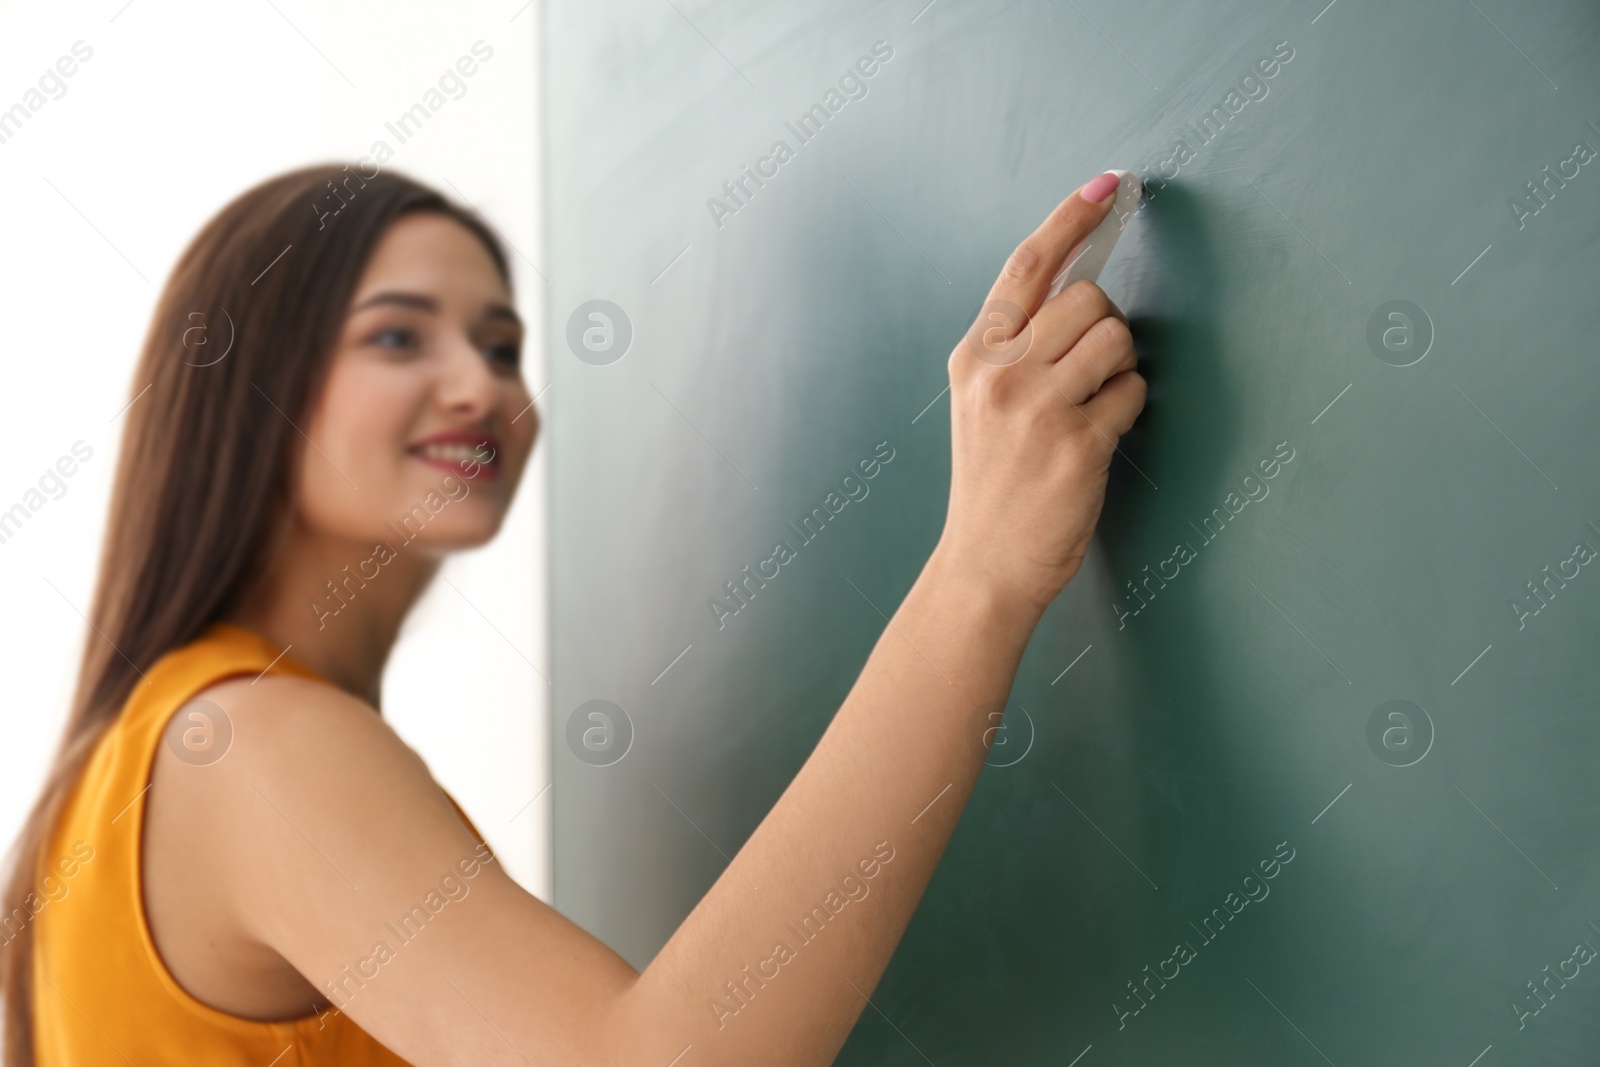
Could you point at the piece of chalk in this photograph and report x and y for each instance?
(1089, 257)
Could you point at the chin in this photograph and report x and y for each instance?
(457, 537)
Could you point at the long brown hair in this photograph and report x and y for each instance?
(206, 458)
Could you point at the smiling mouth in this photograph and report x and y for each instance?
(460, 458)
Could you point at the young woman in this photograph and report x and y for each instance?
(235, 860)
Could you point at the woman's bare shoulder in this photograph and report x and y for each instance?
(276, 715)
(299, 779)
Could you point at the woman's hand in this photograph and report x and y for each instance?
(1039, 393)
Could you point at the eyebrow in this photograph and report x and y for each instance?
(421, 302)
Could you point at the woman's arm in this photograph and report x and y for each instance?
(320, 832)
(894, 769)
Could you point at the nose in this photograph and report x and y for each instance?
(467, 386)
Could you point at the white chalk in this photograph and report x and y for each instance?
(1089, 257)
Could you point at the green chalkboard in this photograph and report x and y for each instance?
(1304, 766)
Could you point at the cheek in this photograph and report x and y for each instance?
(521, 434)
(358, 464)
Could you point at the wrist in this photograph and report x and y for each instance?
(982, 595)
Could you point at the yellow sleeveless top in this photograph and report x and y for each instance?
(102, 995)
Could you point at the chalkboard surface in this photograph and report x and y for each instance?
(1304, 766)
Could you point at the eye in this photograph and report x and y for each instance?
(406, 337)
(507, 352)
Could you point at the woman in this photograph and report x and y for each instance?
(235, 860)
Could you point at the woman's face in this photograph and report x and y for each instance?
(425, 423)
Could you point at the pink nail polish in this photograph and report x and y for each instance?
(1099, 188)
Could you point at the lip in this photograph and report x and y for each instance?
(485, 470)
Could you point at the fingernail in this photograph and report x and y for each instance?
(1100, 188)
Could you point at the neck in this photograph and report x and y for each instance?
(345, 632)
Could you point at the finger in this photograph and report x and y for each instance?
(1085, 290)
(1037, 260)
(1118, 403)
(1066, 317)
(1105, 351)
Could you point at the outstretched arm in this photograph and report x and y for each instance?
(1038, 396)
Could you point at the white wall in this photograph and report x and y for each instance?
(181, 106)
